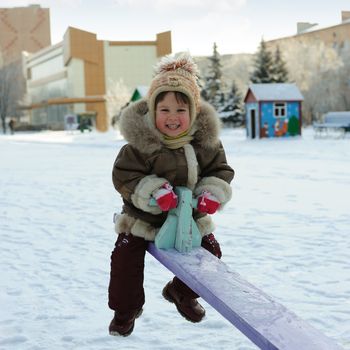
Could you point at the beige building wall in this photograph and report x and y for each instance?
(133, 61)
(129, 62)
(46, 74)
(75, 73)
(76, 83)
(46, 77)
(46, 63)
(337, 36)
(23, 29)
(83, 45)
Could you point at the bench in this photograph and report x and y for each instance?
(265, 322)
(334, 122)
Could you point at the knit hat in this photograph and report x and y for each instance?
(175, 74)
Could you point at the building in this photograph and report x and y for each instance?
(73, 76)
(273, 110)
(336, 36)
(23, 29)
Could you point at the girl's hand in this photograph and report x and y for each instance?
(207, 203)
(165, 197)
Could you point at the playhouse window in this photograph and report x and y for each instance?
(279, 110)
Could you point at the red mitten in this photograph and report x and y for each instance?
(207, 203)
(165, 197)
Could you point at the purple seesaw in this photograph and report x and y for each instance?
(265, 322)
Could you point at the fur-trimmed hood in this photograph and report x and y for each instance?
(136, 127)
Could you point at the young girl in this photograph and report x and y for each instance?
(173, 140)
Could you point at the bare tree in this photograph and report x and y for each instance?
(118, 95)
(315, 68)
(11, 91)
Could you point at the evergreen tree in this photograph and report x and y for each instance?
(231, 112)
(263, 66)
(212, 90)
(280, 72)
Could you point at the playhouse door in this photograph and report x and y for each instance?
(252, 124)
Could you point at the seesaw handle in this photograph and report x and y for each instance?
(153, 202)
(179, 230)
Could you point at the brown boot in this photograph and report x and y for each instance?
(123, 324)
(187, 307)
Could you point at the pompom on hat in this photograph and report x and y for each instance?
(176, 74)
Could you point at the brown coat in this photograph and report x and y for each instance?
(144, 164)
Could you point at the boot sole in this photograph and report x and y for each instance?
(169, 298)
(117, 334)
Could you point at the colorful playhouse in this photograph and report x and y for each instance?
(139, 92)
(273, 110)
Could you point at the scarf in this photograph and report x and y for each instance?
(177, 141)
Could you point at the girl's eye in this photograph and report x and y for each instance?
(164, 110)
(181, 110)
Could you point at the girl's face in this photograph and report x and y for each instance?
(172, 116)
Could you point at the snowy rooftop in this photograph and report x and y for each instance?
(278, 91)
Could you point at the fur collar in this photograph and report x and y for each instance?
(136, 127)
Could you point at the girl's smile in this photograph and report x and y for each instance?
(172, 116)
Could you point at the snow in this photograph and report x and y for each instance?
(276, 92)
(286, 230)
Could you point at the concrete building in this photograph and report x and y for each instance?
(72, 77)
(23, 29)
(336, 36)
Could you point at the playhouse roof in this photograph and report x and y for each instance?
(275, 92)
(139, 92)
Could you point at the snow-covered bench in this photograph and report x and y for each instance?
(338, 122)
(265, 322)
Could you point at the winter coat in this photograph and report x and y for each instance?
(144, 164)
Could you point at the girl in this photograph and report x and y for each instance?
(173, 140)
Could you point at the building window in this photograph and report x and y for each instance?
(279, 110)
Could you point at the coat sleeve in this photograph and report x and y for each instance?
(216, 176)
(133, 179)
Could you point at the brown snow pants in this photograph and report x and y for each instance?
(125, 292)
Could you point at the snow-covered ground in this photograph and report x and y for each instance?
(286, 230)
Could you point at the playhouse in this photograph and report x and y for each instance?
(273, 110)
(139, 92)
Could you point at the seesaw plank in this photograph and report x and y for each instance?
(265, 322)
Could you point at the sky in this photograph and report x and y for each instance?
(237, 26)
